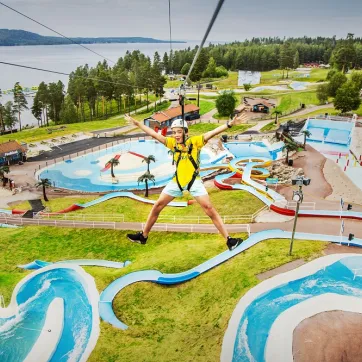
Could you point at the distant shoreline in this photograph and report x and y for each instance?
(9, 38)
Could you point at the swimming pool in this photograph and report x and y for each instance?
(85, 173)
(326, 131)
(21, 324)
(255, 149)
(269, 304)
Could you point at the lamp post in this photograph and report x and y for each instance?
(298, 197)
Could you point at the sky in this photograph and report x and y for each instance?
(237, 20)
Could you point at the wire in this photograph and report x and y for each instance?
(56, 32)
(216, 13)
(67, 74)
(169, 21)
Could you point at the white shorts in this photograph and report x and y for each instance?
(197, 189)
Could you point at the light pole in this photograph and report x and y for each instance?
(298, 197)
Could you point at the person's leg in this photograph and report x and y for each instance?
(205, 202)
(160, 204)
(168, 194)
(199, 192)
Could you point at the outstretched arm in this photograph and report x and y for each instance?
(146, 129)
(224, 127)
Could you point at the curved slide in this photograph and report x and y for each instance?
(101, 199)
(108, 164)
(38, 264)
(244, 167)
(106, 298)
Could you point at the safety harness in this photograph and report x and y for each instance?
(193, 162)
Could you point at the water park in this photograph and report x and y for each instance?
(58, 303)
(256, 257)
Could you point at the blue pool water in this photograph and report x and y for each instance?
(84, 173)
(260, 315)
(19, 333)
(251, 149)
(336, 132)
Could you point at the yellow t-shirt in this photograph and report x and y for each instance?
(185, 168)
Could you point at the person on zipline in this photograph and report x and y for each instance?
(186, 155)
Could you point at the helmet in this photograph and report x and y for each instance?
(179, 123)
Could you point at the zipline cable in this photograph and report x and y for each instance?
(67, 74)
(56, 32)
(216, 13)
(169, 22)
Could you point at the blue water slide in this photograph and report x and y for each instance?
(131, 196)
(38, 264)
(106, 298)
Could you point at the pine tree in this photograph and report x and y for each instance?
(20, 102)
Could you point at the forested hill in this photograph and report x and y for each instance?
(21, 37)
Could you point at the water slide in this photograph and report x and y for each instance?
(38, 264)
(243, 167)
(106, 298)
(108, 164)
(101, 199)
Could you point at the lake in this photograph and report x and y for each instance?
(63, 58)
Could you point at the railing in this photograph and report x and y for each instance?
(292, 205)
(232, 219)
(232, 228)
(206, 228)
(80, 216)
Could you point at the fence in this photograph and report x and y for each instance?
(120, 226)
(232, 219)
(80, 216)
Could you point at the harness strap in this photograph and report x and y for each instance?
(194, 164)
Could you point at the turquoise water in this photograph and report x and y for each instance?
(334, 132)
(260, 315)
(64, 174)
(19, 333)
(251, 149)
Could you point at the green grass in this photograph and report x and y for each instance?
(221, 118)
(275, 76)
(186, 322)
(224, 202)
(291, 101)
(227, 83)
(173, 83)
(205, 105)
(39, 134)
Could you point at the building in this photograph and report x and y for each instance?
(262, 105)
(162, 119)
(12, 152)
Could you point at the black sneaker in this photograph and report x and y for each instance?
(233, 243)
(137, 238)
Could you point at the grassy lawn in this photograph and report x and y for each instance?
(275, 76)
(224, 201)
(291, 101)
(201, 128)
(227, 83)
(185, 322)
(39, 134)
(205, 105)
(173, 83)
